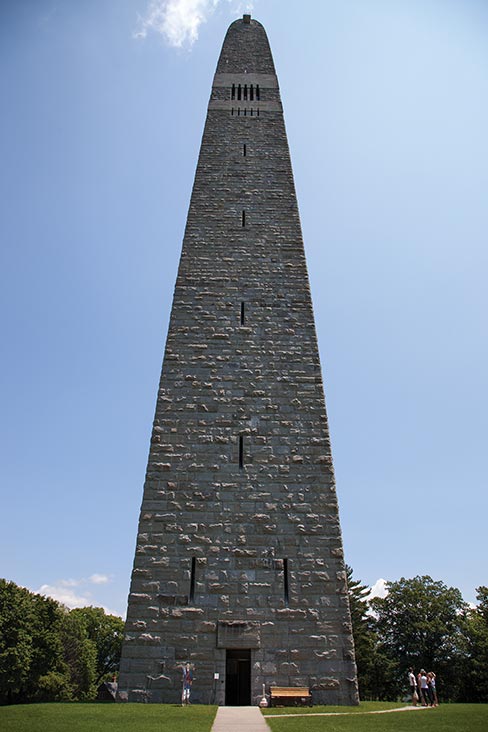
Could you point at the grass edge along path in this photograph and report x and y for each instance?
(361, 708)
(348, 714)
(445, 718)
(92, 717)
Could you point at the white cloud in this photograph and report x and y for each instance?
(63, 594)
(99, 579)
(378, 589)
(63, 591)
(178, 21)
(70, 582)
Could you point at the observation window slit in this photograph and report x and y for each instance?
(241, 451)
(191, 596)
(286, 592)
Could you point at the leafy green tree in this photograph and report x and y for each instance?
(475, 672)
(106, 632)
(358, 604)
(80, 657)
(48, 653)
(482, 609)
(15, 640)
(30, 644)
(54, 687)
(363, 640)
(419, 624)
(375, 670)
(47, 649)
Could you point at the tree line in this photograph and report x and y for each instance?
(50, 653)
(424, 624)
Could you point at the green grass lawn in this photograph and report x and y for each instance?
(361, 708)
(106, 718)
(446, 718)
(199, 718)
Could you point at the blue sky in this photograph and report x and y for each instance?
(386, 108)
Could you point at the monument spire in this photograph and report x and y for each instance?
(239, 565)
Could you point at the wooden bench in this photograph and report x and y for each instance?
(290, 696)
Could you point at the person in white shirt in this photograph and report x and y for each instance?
(424, 688)
(413, 686)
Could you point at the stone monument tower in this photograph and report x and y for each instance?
(239, 565)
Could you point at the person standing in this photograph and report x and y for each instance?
(418, 687)
(413, 686)
(432, 689)
(187, 683)
(424, 688)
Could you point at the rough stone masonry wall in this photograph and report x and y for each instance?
(239, 541)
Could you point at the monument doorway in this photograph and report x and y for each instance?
(237, 677)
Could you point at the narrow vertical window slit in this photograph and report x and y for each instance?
(243, 218)
(192, 580)
(244, 147)
(233, 95)
(242, 313)
(241, 451)
(285, 582)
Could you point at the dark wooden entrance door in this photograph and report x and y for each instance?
(238, 678)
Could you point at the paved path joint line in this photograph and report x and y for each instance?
(350, 714)
(250, 719)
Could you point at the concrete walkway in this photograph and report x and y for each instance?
(250, 719)
(239, 719)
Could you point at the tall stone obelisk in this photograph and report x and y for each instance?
(239, 565)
